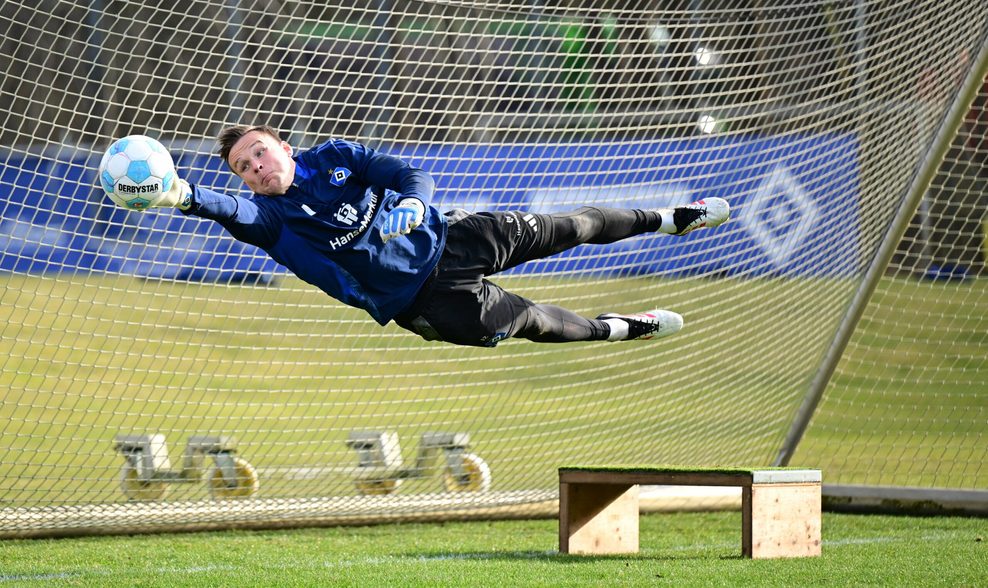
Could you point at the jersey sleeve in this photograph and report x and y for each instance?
(378, 169)
(242, 217)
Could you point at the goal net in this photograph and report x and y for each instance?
(157, 374)
(907, 403)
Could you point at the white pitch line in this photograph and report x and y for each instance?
(194, 569)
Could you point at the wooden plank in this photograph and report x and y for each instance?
(687, 476)
(598, 518)
(654, 478)
(781, 520)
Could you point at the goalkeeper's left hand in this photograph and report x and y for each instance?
(403, 218)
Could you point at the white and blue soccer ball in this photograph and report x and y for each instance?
(136, 171)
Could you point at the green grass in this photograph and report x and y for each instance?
(291, 379)
(289, 373)
(701, 549)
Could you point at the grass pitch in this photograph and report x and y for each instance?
(289, 373)
(694, 549)
(54, 382)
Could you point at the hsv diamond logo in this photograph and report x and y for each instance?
(339, 175)
(780, 216)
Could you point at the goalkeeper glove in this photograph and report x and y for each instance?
(403, 218)
(179, 195)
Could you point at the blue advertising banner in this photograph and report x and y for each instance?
(794, 201)
(794, 198)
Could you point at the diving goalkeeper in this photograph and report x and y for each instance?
(357, 224)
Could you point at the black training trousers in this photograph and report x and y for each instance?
(459, 305)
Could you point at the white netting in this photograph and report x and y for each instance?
(908, 405)
(811, 118)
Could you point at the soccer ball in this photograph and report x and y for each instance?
(136, 171)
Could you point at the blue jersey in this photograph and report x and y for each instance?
(326, 227)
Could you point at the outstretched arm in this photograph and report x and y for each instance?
(242, 217)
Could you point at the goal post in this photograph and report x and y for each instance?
(156, 374)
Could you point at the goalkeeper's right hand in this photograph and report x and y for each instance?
(179, 195)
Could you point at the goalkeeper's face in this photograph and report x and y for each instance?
(263, 162)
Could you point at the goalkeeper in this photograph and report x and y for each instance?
(357, 224)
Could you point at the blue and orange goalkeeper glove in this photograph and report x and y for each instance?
(403, 218)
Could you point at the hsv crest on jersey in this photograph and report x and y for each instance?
(339, 176)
